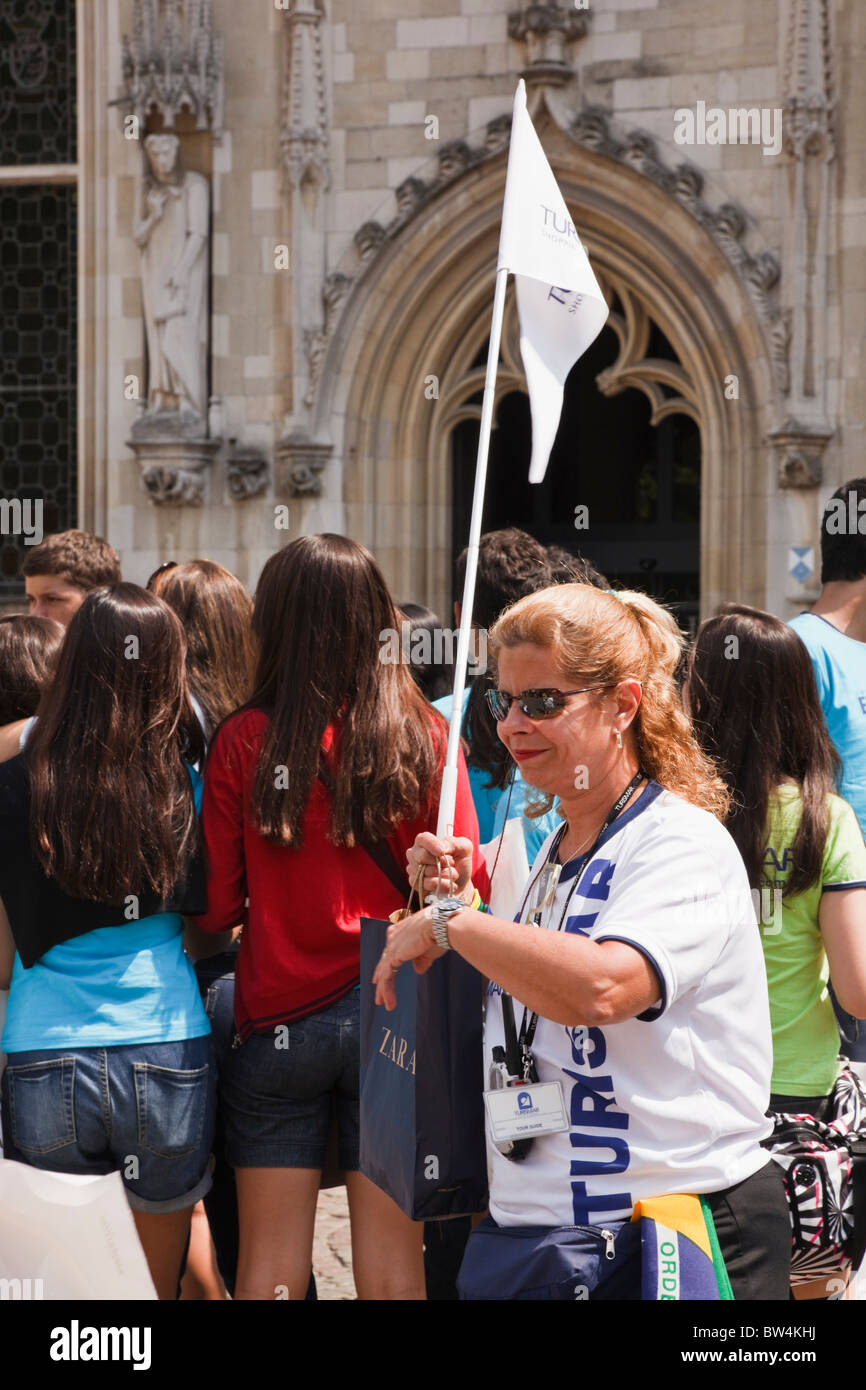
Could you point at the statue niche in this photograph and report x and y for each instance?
(172, 234)
(172, 229)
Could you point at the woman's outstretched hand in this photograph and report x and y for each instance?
(446, 865)
(412, 939)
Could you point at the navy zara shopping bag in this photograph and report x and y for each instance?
(422, 1106)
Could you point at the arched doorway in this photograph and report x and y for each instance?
(419, 308)
(623, 484)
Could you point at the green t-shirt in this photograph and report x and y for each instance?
(805, 1033)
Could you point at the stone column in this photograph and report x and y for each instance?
(315, 296)
(810, 144)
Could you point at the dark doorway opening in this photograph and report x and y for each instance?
(639, 483)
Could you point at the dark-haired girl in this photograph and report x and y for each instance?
(752, 696)
(110, 1058)
(313, 794)
(28, 655)
(215, 610)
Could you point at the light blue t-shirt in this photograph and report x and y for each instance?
(490, 802)
(108, 988)
(839, 663)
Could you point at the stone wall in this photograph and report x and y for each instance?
(394, 73)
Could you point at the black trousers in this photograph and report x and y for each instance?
(754, 1231)
(444, 1247)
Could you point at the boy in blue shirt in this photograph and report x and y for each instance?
(834, 634)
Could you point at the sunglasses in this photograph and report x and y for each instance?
(535, 704)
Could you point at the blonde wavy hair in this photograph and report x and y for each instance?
(598, 636)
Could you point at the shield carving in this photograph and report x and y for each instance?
(28, 62)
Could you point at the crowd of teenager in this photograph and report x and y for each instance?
(197, 789)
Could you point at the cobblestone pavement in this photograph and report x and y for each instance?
(332, 1249)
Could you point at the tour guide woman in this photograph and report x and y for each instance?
(648, 986)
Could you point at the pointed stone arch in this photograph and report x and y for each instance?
(422, 303)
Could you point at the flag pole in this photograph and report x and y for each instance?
(448, 795)
(544, 259)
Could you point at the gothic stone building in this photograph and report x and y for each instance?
(281, 327)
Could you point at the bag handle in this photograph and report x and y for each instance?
(414, 893)
(379, 851)
(385, 860)
(382, 856)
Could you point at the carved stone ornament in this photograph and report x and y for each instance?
(368, 239)
(547, 29)
(727, 224)
(809, 125)
(592, 128)
(800, 451)
(302, 463)
(668, 386)
(174, 60)
(173, 485)
(246, 470)
(304, 130)
(174, 470)
(316, 340)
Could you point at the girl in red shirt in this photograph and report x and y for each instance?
(336, 750)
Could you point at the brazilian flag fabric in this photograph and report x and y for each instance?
(680, 1254)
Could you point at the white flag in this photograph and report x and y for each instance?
(559, 304)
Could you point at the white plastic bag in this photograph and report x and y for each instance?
(65, 1236)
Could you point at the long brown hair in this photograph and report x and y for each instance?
(321, 620)
(215, 611)
(754, 703)
(604, 638)
(111, 806)
(28, 654)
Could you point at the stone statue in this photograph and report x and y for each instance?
(172, 236)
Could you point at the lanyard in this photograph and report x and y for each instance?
(518, 1049)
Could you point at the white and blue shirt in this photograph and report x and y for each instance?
(674, 1100)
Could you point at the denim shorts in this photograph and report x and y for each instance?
(146, 1110)
(216, 984)
(278, 1091)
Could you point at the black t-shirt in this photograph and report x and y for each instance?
(40, 913)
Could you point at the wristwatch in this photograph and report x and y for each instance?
(443, 908)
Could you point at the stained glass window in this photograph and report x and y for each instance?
(37, 82)
(38, 276)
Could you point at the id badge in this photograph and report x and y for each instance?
(523, 1112)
